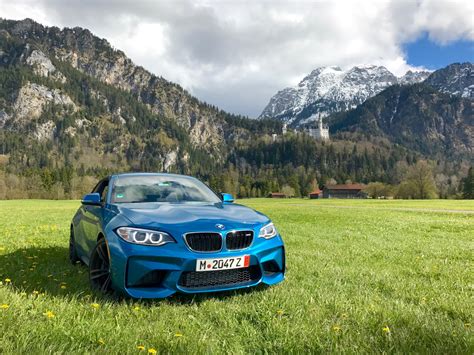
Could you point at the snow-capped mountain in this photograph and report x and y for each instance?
(456, 79)
(413, 77)
(331, 89)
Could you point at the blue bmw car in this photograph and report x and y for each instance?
(149, 235)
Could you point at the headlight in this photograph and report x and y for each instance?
(144, 236)
(268, 231)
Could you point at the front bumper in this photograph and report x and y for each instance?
(157, 272)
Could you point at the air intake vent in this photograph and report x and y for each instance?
(152, 279)
(200, 279)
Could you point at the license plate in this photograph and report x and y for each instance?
(235, 262)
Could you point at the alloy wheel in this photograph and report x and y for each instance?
(99, 268)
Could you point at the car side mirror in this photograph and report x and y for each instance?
(227, 198)
(91, 199)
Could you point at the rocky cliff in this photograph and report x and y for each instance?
(96, 58)
(456, 79)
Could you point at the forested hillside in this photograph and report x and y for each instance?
(417, 117)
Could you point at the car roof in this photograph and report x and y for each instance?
(148, 174)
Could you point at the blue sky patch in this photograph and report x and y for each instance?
(424, 52)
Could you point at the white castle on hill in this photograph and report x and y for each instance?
(320, 131)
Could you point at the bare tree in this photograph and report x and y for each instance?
(288, 191)
(420, 179)
(378, 190)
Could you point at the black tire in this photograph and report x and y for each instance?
(73, 257)
(100, 276)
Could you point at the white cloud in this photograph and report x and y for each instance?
(237, 54)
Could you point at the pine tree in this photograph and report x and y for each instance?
(468, 185)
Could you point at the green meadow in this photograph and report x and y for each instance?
(363, 276)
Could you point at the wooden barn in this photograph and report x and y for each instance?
(317, 193)
(277, 195)
(344, 191)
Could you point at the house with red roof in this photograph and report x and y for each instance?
(317, 193)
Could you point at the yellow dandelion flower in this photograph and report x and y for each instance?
(140, 347)
(95, 305)
(7, 281)
(136, 308)
(280, 312)
(5, 306)
(101, 341)
(35, 292)
(49, 314)
(63, 287)
(151, 351)
(386, 329)
(178, 335)
(336, 328)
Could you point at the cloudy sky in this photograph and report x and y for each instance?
(237, 54)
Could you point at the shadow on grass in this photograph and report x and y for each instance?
(48, 270)
(44, 270)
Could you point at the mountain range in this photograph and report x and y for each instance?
(71, 104)
(328, 90)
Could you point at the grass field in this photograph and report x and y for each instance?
(363, 276)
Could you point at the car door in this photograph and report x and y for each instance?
(92, 216)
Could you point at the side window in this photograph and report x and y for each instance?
(101, 188)
(103, 195)
(97, 187)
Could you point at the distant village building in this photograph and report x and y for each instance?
(317, 193)
(320, 131)
(344, 191)
(274, 137)
(284, 129)
(277, 195)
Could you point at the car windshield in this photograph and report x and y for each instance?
(160, 188)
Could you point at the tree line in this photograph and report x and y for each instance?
(417, 182)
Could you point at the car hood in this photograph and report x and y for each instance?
(187, 217)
